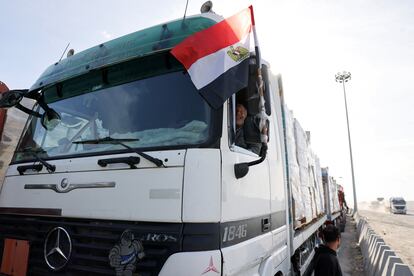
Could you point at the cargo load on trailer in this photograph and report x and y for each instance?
(305, 173)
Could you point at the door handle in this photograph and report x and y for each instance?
(265, 224)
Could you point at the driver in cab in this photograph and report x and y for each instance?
(241, 115)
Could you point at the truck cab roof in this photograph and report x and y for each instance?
(141, 43)
(396, 198)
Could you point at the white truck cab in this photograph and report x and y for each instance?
(398, 205)
(124, 168)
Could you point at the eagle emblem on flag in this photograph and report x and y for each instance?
(238, 54)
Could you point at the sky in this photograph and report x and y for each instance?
(307, 42)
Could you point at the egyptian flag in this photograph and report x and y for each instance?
(217, 58)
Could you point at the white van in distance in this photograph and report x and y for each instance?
(398, 205)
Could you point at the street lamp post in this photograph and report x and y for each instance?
(344, 77)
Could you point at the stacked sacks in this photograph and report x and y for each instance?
(305, 174)
(326, 191)
(331, 186)
(318, 172)
(333, 195)
(336, 205)
(316, 181)
(294, 177)
(302, 157)
(312, 182)
(330, 192)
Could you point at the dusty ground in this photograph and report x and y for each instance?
(349, 254)
(397, 230)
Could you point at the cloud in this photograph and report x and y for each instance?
(105, 34)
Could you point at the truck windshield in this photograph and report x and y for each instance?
(164, 111)
(398, 201)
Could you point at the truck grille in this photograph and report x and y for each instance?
(91, 242)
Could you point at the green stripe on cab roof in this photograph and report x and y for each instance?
(131, 46)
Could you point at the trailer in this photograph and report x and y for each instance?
(124, 168)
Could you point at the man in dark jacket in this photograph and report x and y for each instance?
(325, 261)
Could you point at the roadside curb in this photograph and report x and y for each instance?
(379, 258)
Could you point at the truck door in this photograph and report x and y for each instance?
(246, 214)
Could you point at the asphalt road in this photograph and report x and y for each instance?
(397, 230)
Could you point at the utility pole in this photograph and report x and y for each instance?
(343, 77)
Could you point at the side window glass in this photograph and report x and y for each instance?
(245, 131)
(244, 122)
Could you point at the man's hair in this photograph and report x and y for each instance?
(242, 105)
(331, 233)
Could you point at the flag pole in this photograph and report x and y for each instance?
(262, 108)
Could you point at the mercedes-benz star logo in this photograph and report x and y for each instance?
(64, 185)
(58, 248)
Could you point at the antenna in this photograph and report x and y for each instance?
(64, 51)
(185, 12)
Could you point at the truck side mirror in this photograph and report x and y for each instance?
(50, 119)
(11, 98)
(241, 169)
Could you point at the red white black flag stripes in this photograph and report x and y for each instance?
(217, 58)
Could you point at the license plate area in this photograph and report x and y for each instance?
(15, 257)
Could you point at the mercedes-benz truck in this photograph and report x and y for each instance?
(124, 169)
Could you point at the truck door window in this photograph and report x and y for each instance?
(246, 125)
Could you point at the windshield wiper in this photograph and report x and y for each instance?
(120, 141)
(49, 167)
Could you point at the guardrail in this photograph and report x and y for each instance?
(379, 258)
